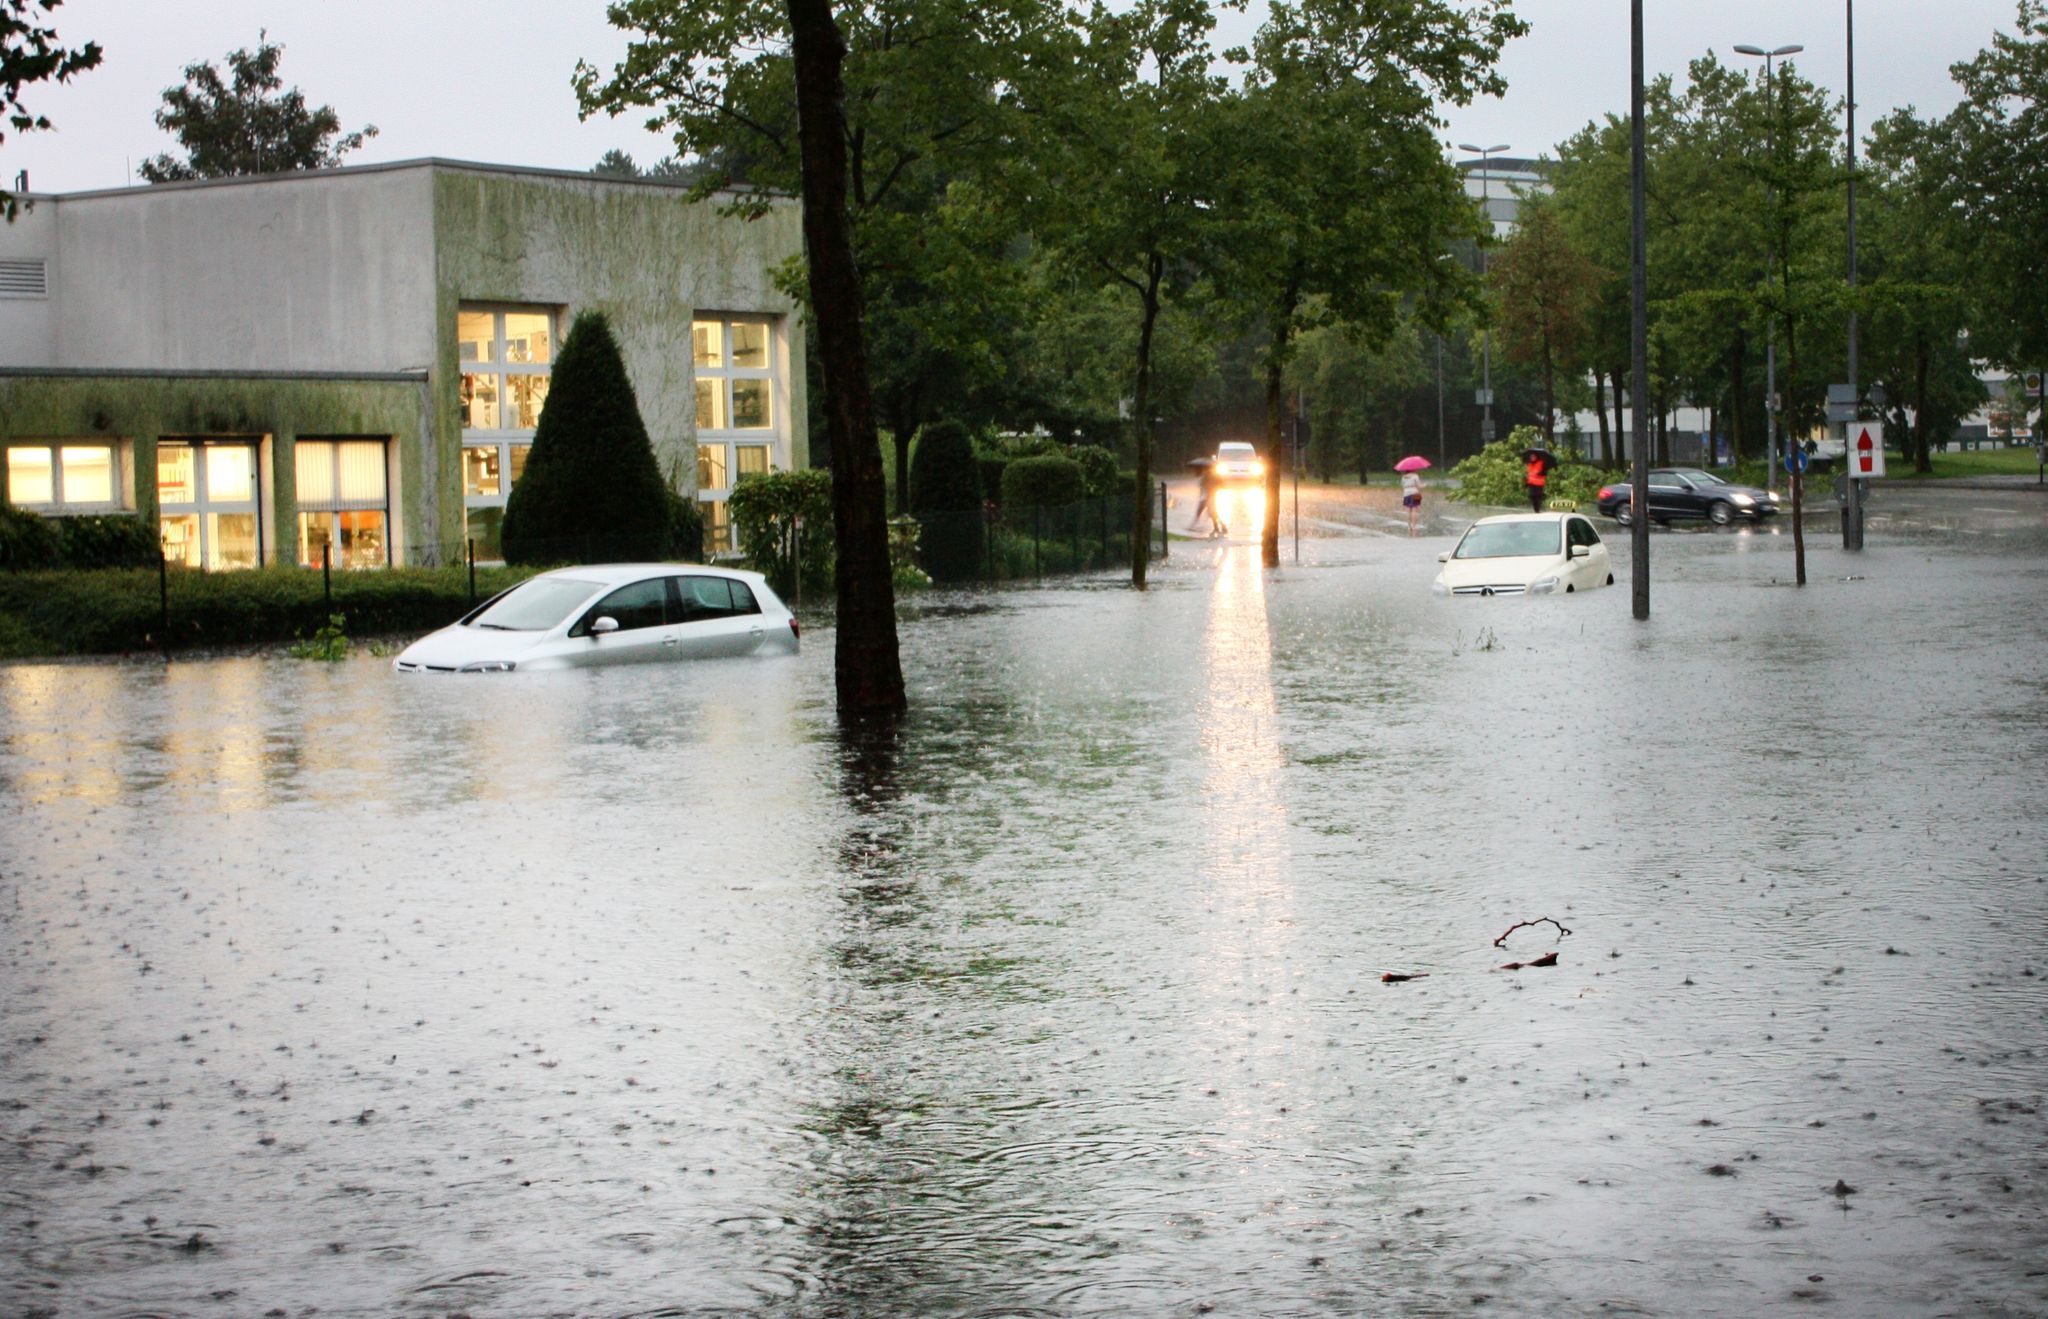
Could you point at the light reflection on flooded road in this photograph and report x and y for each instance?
(639, 992)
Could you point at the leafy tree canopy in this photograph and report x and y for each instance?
(245, 123)
(31, 53)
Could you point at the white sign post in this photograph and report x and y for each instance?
(1866, 449)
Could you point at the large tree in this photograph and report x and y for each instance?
(868, 672)
(1995, 141)
(1545, 286)
(1123, 177)
(1340, 206)
(246, 123)
(31, 53)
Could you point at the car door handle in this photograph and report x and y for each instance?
(671, 641)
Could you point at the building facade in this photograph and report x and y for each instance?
(355, 359)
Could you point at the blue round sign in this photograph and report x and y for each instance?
(1795, 459)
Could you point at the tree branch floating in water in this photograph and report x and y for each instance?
(1548, 959)
(1540, 920)
(1396, 977)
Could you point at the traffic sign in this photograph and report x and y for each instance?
(2033, 383)
(1866, 449)
(1795, 459)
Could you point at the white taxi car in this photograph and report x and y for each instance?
(1526, 554)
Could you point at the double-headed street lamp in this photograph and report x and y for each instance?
(1770, 58)
(1486, 333)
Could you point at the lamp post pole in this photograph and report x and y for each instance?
(1852, 509)
(1770, 322)
(1486, 331)
(1638, 328)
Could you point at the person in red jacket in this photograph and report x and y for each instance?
(1535, 475)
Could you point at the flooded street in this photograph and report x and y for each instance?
(635, 992)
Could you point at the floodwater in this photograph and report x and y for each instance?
(639, 993)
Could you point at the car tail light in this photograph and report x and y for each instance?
(794, 630)
(1606, 492)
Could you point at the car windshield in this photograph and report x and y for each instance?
(1235, 453)
(535, 606)
(1504, 540)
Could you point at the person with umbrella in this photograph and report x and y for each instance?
(1536, 465)
(1410, 469)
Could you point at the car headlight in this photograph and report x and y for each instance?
(489, 666)
(1543, 585)
(1256, 469)
(1741, 499)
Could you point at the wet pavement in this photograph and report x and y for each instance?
(639, 993)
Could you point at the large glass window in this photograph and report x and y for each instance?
(505, 355)
(66, 478)
(738, 429)
(207, 497)
(344, 503)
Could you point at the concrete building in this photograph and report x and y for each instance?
(358, 357)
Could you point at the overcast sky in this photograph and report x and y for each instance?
(488, 80)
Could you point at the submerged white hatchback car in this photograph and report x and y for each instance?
(1526, 554)
(621, 613)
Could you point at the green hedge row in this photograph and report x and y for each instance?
(117, 610)
(116, 540)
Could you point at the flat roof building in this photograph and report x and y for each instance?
(356, 358)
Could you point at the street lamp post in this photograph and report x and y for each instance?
(1769, 58)
(1638, 327)
(1852, 511)
(1486, 331)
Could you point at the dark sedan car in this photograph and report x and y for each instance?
(1688, 492)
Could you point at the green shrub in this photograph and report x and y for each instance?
(112, 610)
(945, 493)
(1048, 481)
(1098, 469)
(591, 488)
(329, 644)
(784, 522)
(120, 540)
(1494, 475)
(28, 541)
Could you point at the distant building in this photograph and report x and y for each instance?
(356, 358)
(1499, 184)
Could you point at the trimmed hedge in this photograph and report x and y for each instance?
(591, 473)
(946, 479)
(764, 508)
(115, 610)
(115, 540)
(1047, 481)
(1098, 469)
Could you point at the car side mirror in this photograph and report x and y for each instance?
(1445, 557)
(599, 626)
(1581, 551)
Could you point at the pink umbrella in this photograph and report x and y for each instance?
(1414, 462)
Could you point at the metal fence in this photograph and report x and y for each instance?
(994, 544)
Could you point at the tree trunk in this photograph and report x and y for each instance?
(1738, 400)
(1277, 456)
(1621, 454)
(1549, 395)
(867, 671)
(1923, 464)
(1600, 410)
(1141, 422)
(900, 429)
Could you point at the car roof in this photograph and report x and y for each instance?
(609, 574)
(1527, 517)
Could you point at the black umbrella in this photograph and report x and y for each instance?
(1548, 458)
(1201, 462)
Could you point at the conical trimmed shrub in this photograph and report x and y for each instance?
(591, 491)
(945, 493)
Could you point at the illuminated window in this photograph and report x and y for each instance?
(739, 429)
(344, 503)
(209, 511)
(55, 479)
(505, 355)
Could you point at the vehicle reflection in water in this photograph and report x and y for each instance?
(1243, 510)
